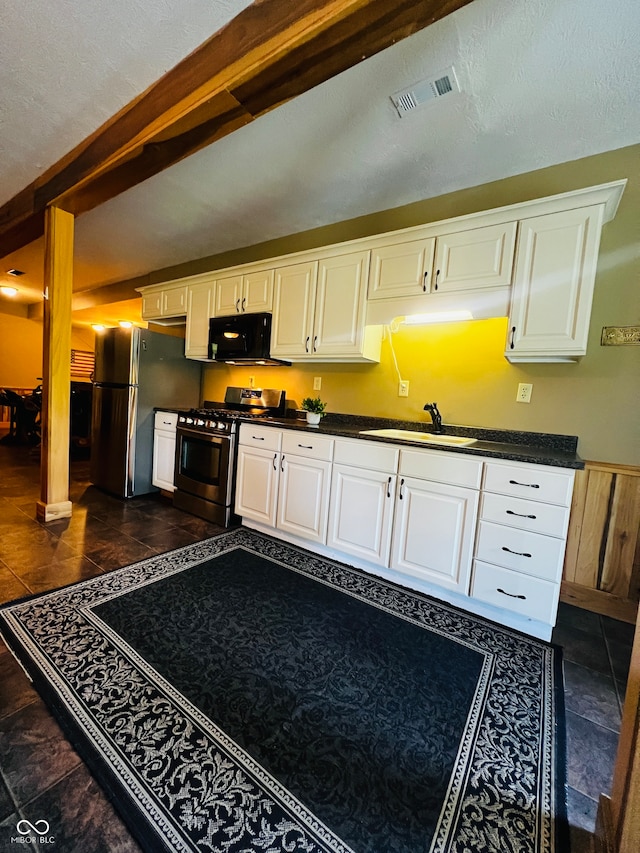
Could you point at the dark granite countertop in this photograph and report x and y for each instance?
(533, 447)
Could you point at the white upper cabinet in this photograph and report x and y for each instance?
(447, 263)
(401, 269)
(200, 299)
(293, 307)
(478, 257)
(165, 303)
(247, 293)
(553, 286)
(319, 311)
(534, 261)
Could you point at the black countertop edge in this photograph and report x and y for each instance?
(532, 447)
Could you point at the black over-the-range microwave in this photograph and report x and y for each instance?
(242, 339)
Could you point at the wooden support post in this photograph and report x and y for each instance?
(618, 821)
(56, 369)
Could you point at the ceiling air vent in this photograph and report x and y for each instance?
(426, 90)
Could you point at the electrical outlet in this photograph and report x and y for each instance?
(524, 392)
(317, 383)
(403, 388)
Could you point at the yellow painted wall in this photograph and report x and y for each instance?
(21, 350)
(461, 366)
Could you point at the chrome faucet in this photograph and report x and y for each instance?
(436, 417)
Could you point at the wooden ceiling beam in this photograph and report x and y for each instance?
(274, 50)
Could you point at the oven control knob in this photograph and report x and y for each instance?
(221, 425)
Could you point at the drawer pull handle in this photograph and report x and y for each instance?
(257, 437)
(511, 594)
(528, 485)
(517, 553)
(167, 423)
(306, 446)
(520, 514)
(389, 487)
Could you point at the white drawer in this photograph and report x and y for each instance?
(530, 597)
(531, 482)
(531, 553)
(307, 444)
(442, 467)
(258, 436)
(373, 455)
(168, 421)
(527, 515)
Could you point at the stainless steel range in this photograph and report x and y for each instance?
(206, 443)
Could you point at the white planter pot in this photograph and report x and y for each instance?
(313, 418)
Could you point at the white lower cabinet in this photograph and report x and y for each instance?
(489, 535)
(257, 484)
(521, 538)
(303, 502)
(164, 450)
(283, 480)
(433, 532)
(362, 513)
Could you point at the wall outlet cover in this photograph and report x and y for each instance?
(524, 392)
(403, 388)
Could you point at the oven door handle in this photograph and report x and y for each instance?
(206, 436)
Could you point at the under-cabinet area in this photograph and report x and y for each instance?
(487, 535)
(534, 262)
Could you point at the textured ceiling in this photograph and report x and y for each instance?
(543, 82)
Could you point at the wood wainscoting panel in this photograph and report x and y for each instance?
(602, 561)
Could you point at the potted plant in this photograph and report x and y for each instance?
(315, 409)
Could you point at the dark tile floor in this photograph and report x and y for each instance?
(42, 777)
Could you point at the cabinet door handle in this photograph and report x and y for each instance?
(512, 343)
(306, 446)
(282, 463)
(306, 344)
(436, 281)
(238, 305)
(528, 485)
(400, 495)
(389, 487)
(511, 594)
(244, 302)
(520, 514)
(275, 456)
(315, 342)
(424, 281)
(517, 553)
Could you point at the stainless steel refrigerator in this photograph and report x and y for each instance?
(136, 370)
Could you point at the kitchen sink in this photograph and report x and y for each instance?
(423, 437)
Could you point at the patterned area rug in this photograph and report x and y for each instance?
(242, 695)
